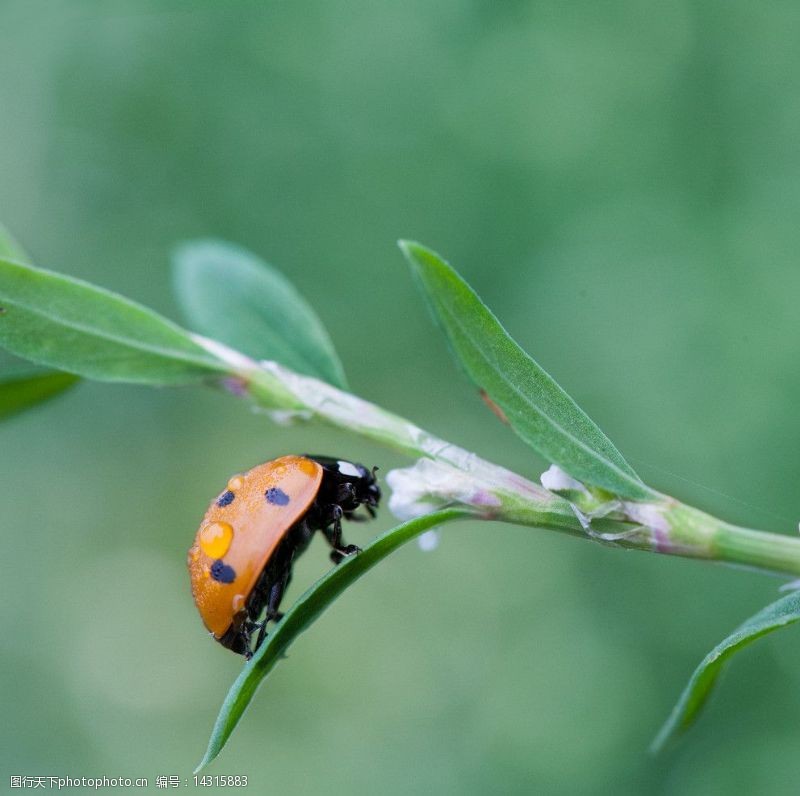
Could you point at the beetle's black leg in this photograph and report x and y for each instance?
(342, 553)
(273, 614)
(245, 636)
(275, 596)
(334, 529)
(333, 533)
(262, 632)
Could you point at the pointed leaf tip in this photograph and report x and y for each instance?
(230, 294)
(782, 612)
(536, 407)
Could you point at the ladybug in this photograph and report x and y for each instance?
(241, 559)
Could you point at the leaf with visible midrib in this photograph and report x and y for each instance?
(302, 614)
(24, 386)
(779, 614)
(71, 325)
(231, 295)
(534, 404)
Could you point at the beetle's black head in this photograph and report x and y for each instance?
(361, 483)
(369, 489)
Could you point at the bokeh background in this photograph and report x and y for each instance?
(621, 183)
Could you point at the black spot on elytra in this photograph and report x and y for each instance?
(222, 572)
(225, 499)
(276, 496)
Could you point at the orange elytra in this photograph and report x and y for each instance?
(241, 559)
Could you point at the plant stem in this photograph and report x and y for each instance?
(491, 492)
(760, 549)
(673, 528)
(682, 530)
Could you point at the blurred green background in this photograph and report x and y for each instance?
(621, 183)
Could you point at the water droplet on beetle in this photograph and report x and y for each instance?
(216, 538)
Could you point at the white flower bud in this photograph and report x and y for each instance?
(429, 485)
(556, 480)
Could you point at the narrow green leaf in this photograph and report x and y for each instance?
(11, 248)
(68, 324)
(535, 406)
(231, 295)
(780, 613)
(25, 387)
(301, 615)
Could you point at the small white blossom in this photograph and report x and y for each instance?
(429, 485)
(429, 540)
(556, 480)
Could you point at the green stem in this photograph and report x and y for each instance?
(315, 398)
(767, 551)
(682, 530)
(663, 526)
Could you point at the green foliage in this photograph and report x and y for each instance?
(622, 174)
(27, 386)
(231, 295)
(11, 248)
(22, 386)
(536, 407)
(68, 324)
(783, 612)
(301, 615)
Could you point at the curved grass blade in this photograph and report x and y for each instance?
(23, 388)
(71, 325)
(231, 295)
(301, 615)
(535, 406)
(779, 614)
